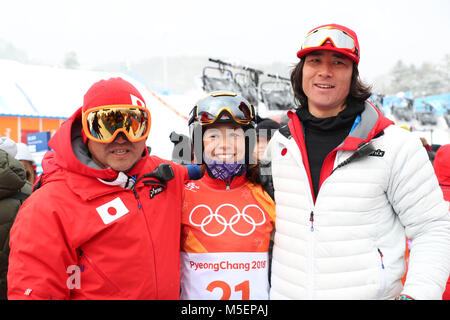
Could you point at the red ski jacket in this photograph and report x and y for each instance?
(225, 236)
(77, 237)
(442, 169)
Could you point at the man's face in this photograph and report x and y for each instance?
(29, 170)
(326, 82)
(120, 155)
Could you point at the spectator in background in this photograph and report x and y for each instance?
(14, 189)
(430, 152)
(265, 128)
(8, 145)
(442, 169)
(24, 156)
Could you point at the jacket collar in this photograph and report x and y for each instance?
(236, 182)
(371, 124)
(90, 187)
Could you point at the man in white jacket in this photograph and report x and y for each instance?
(349, 187)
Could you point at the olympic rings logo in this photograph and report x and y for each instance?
(222, 221)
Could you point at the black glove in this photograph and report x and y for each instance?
(265, 178)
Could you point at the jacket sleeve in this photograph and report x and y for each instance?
(40, 255)
(416, 197)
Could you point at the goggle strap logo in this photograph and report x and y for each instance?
(136, 101)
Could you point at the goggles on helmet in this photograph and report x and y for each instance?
(338, 38)
(209, 110)
(103, 124)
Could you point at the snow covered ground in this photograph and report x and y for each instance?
(165, 119)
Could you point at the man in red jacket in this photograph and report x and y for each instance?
(442, 168)
(104, 222)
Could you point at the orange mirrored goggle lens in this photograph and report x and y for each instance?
(339, 39)
(102, 124)
(206, 118)
(209, 111)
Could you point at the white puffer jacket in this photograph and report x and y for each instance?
(350, 242)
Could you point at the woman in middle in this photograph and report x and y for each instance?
(227, 218)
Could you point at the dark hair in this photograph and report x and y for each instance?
(358, 90)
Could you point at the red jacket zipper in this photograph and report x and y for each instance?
(151, 241)
(311, 218)
(381, 257)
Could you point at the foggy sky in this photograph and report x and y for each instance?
(102, 31)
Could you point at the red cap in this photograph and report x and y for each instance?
(328, 46)
(109, 92)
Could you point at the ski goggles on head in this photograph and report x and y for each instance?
(217, 106)
(338, 38)
(103, 124)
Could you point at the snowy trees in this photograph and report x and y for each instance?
(431, 78)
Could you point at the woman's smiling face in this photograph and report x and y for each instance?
(224, 142)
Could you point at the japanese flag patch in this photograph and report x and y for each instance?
(112, 210)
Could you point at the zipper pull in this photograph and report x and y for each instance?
(381, 256)
(80, 253)
(137, 198)
(311, 218)
(228, 184)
